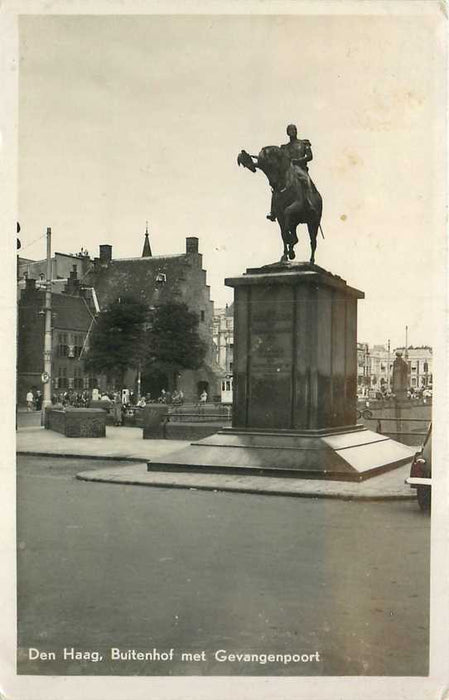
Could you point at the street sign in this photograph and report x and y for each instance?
(45, 377)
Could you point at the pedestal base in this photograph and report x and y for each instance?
(348, 454)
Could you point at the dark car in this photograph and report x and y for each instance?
(421, 473)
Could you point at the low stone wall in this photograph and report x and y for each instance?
(192, 431)
(159, 423)
(154, 421)
(76, 422)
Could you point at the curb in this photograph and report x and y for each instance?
(90, 476)
(71, 455)
(86, 476)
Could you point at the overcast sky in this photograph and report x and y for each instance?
(129, 118)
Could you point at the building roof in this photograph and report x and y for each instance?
(151, 278)
(70, 312)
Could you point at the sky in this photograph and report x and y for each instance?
(125, 118)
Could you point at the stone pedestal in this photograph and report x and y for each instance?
(295, 349)
(295, 382)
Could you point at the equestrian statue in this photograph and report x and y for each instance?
(295, 199)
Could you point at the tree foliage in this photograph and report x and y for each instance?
(118, 338)
(128, 335)
(174, 341)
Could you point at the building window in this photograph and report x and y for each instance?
(202, 315)
(75, 345)
(62, 345)
(62, 380)
(92, 382)
(78, 378)
(78, 342)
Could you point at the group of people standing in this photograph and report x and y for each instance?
(177, 397)
(34, 400)
(123, 399)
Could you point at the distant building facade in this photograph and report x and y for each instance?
(62, 265)
(420, 365)
(375, 367)
(224, 348)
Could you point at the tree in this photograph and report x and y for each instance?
(118, 339)
(173, 339)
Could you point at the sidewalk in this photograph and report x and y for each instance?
(126, 444)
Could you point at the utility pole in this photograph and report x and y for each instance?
(406, 343)
(388, 367)
(139, 382)
(46, 375)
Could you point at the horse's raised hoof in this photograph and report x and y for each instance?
(291, 254)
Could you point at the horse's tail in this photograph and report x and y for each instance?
(319, 225)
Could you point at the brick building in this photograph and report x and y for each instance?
(72, 315)
(82, 286)
(155, 280)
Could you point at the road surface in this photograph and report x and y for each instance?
(340, 587)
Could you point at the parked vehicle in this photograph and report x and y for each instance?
(421, 473)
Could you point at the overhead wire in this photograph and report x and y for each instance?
(32, 242)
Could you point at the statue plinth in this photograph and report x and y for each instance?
(295, 383)
(295, 348)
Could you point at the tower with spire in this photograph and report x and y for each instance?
(146, 252)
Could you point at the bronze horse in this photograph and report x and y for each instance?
(290, 204)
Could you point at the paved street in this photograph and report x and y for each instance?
(105, 565)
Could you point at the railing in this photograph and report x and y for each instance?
(187, 413)
(200, 413)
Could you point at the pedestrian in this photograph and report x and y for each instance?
(203, 397)
(30, 400)
(117, 410)
(39, 400)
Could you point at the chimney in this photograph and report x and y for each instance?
(105, 253)
(72, 286)
(192, 244)
(30, 284)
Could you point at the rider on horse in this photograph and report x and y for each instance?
(300, 153)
